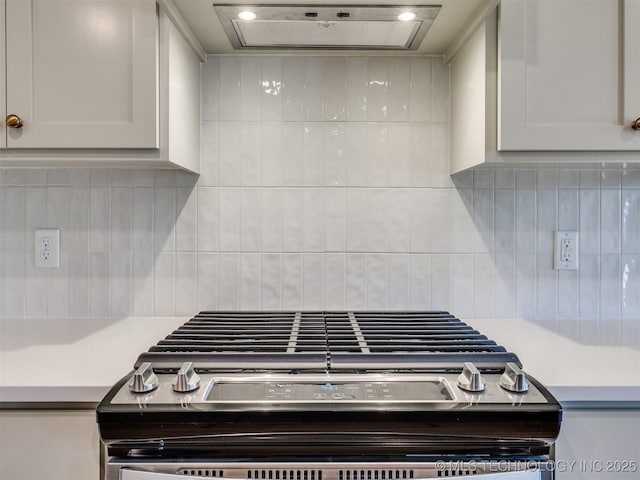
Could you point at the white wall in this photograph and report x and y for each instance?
(325, 186)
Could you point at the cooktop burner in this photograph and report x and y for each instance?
(433, 340)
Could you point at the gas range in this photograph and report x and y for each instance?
(371, 385)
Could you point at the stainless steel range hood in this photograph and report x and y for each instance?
(358, 27)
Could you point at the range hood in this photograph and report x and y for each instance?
(353, 27)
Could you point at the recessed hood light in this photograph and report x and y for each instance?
(363, 27)
(247, 15)
(406, 16)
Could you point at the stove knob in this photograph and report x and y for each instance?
(513, 379)
(470, 378)
(187, 379)
(143, 380)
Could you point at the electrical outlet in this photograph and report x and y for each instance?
(47, 248)
(565, 250)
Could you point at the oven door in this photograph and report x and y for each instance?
(135, 469)
(127, 474)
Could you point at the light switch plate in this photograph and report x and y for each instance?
(46, 252)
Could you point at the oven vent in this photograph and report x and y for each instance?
(201, 472)
(375, 474)
(270, 474)
(456, 473)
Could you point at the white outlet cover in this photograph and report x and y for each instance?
(568, 261)
(46, 243)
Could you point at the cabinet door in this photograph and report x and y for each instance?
(599, 445)
(49, 444)
(82, 74)
(569, 75)
(3, 128)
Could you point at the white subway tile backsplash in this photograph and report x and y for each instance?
(271, 89)
(399, 220)
(312, 281)
(335, 88)
(292, 281)
(568, 289)
(209, 93)
(209, 156)
(313, 95)
(377, 281)
(271, 226)
(121, 287)
(164, 219)
(293, 85)
(589, 221)
(357, 88)
(610, 276)
(356, 154)
(568, 211)
(589, 178)
(419, 281)
(228, 281)
(610, 221)
(250, 88)
(164, 276)
(546, 221)
(293, 215)
(249, 281)
(356, 281)
(483, 286)
(335, 148)
(335, 276)
(35, 177)
(611, 178)
(589, 286)
(186, 283)
(207, 280)
(439, 92)
(293, 154)
(250, 221)
(400, 159)
(420, 90)
(335, 220)
(314, 156)
(398, 282)
(399, 89)
(462, 283)
(208, 219)
(630, 269)
(630, 221)
(186, 221)
(271, 143)
(314, 212)
(377, 93)
(441, 282)
(325, 185)
(250, 153)
(356, 220)
(229, 85)
(271, 281)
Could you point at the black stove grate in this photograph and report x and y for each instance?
(432, 340)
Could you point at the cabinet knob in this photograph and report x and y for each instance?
(635, 125)
(14, 121)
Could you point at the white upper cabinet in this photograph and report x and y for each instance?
(80, 74)
(569, 75)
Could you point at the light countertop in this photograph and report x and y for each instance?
(78, 359)
(72, 359)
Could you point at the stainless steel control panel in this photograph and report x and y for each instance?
(322, 389)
